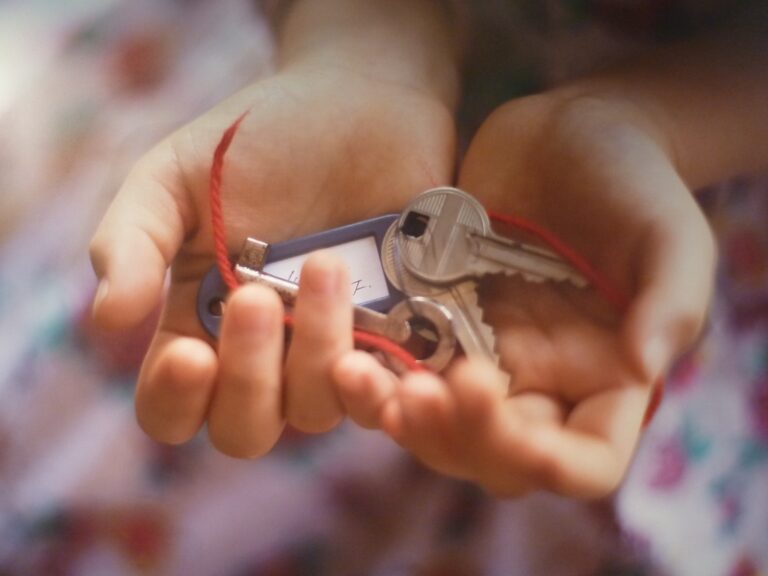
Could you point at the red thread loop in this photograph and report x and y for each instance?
(605, 287)
(214, 196)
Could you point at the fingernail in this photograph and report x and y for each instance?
(101, 294)
(323, 281)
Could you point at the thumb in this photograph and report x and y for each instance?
(675, 289)
(137, 239)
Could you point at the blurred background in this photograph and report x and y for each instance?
(87, 86)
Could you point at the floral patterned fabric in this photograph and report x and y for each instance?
(88, 85)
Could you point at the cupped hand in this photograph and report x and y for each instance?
(319, 147)
(598, 174)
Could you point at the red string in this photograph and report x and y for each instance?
(225, 266)
(607, 290)
(657, 395)
(605, 287)
(214, 196)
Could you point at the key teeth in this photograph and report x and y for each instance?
(573, 280)
(490, 336)
(532, 278)
(486, 330)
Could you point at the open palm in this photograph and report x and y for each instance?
(582, 368)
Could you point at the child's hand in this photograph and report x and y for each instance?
(321, 146)
(596, 173)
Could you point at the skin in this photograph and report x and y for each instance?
(304, 159)
(581, 371)
(607, 164)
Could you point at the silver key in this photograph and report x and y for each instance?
(395, 325)
(445, 237)
(475, 336)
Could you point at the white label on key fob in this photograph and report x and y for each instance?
(362, 259)
(358, 244)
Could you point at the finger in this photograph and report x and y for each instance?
(322, 333)
(479, 389)
(174, 388)
(585, 459)
(136, 240)
(421, 418)
(364, 387)
(676, 284)
(245, 419)
(517, 444)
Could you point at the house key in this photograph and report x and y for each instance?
(446, 237)
(475, 336)
(444, 244)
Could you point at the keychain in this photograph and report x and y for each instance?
(359, 245)
(414, 275)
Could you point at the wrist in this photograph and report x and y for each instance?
(705, 100)
(613, 113)
(405, 42)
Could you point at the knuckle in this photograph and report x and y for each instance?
(319, 340)
(318, 334)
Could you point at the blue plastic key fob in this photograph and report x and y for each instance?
(358, 244)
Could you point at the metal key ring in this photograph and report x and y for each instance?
(439, 317)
